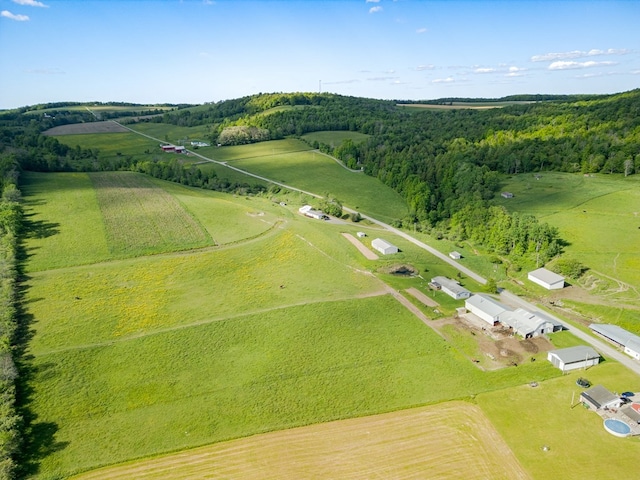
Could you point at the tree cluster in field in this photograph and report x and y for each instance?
(10, 222)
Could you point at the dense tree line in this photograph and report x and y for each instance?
(10, 222)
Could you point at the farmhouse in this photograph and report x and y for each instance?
(450, 287)
(573, 358)
(384, 247)
(625, 339)
(485, 307)
(529, 324)
(547, 279)
(308, 211)
(455, 255)
(599, 397)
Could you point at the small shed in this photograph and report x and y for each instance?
(485, 307)
(572, 358)
(507, 194)
(384, 247)
(450, 287)
(547, 279)
(361, 234)
(599, 397)
(455, 255)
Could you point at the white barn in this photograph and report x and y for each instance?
(308, 211)
(528, 324)
(485, 307)
(451, 287)
(455, 255)
(383, 246)
(547, 279)
(630, 342)
(572, 358)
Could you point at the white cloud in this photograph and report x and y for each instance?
(443, 80)
(421, 30)
(515, 72)
(420, 68)
(562, 65)
(13, 16)
(341, 82)
(30, 3)
(381, 79)
(375, 9)
(548, 57)
(373, 1)
(484, 70)
(208, 2)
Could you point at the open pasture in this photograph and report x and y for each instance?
(225, 379)
(114, 144)
(101, 303)
(599, 217)
(335, 137)
(52, 241)
(140, 217)
(293, 163)
(450, 440)
(173, 133)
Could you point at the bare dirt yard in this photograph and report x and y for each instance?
(88, 127)
(496, 347)
(450, 440)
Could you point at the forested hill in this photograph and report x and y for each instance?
(441, 160)
(446, 162)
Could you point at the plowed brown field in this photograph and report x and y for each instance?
(452, 440)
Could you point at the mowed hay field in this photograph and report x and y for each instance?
(292, 162)
(451, 440)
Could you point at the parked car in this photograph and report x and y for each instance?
(627, 394)
(583, 382)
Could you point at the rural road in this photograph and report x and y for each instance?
(509, 298)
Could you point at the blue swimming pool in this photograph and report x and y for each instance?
(617, 427)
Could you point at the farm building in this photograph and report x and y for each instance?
(625, 339)
(573, 358)
(455, 255)
(384, 247)
(308, 211)
(168, 148)
(507, 194)
(599, 397)
(547, 279)
(361, 234)
(529, 324)
(180, 149)
(485, 307)
(450, 287)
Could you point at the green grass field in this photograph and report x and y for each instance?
(115, 144)
(293, 162)
(599, 217)
(335, 137)
(285, 326)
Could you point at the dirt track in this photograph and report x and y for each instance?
(363, 249)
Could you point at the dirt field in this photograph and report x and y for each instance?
(497, 347)
(89, 127)
(364, 250)
(447, 441)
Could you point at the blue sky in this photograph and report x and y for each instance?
(196, 51)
